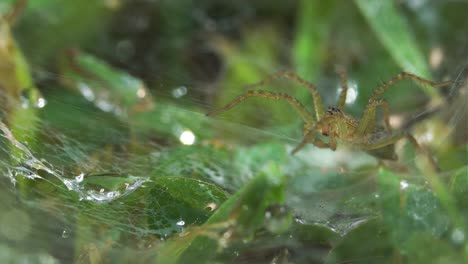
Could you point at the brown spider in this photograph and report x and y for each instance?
(334, 123)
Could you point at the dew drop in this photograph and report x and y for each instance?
(141, 92)
(211, 207)
(104, 105)
(80, 177)
(65, 234)
(112, 194)
(187, 137)
(180, 223)
(41, 102)
(179, 91)
(86, 91)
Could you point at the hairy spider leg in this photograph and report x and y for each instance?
(15, 12)
(315, 141)
(298, 106)
(344, 86)
(404, 75)
(367, 123)
(319, 110)
(393, 139)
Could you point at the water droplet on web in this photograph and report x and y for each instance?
(112, 194)
(299, 221)
(104, 105)
(86, 91)
(141, 92)
(28, 166)
(65, 234)
(179, 91)
(211, 207)
(41, 102)
(80, 177)
(180, 223)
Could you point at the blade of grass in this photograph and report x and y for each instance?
(312, 28)
(392, 31)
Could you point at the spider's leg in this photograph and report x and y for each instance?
(404, 75)
(15, 12)
(332, 144)
(344, 87)
(367, 122)
(315, 141)
(298, 106)
(304, 141)
(393, 139)
(385, 142)
(308, 138)
(319, 110)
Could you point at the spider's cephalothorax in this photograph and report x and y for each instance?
(334, 124)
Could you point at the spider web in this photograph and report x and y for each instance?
(323, 176)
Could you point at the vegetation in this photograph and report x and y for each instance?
(107, 155)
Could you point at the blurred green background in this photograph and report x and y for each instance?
(106, 154)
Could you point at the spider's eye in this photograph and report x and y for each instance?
(332, 110)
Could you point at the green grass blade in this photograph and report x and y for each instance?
(392, 31)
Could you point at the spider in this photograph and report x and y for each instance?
(334, 123)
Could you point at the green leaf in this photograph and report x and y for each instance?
(246, 208)
(409, 209)
(367, 243)
(459, 186)
(176, 202)
(107, 87)
(424, 248)
(169, 121)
